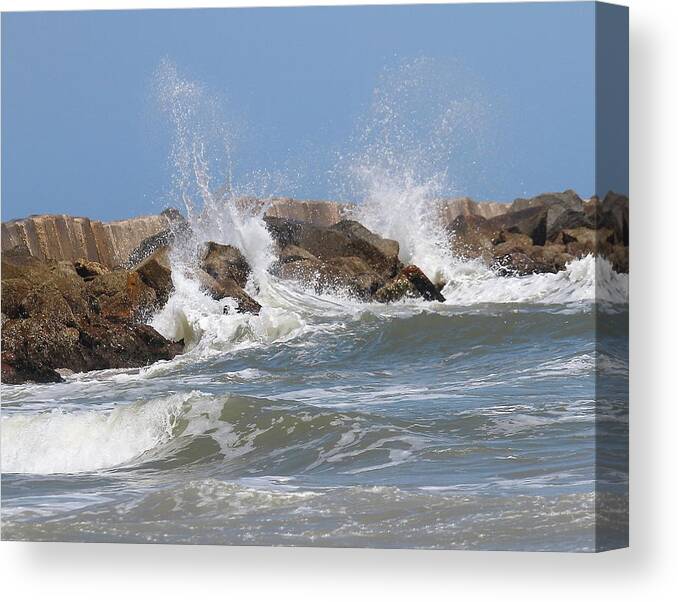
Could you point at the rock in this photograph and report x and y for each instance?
(614, 215)
(178, 230)
(397, 289)
(227, 288)
(569, 220)
(618, 256)
(156, 272)
(513, 238)
(224, 262)
(515, 259)
(122, 296)
(531, 221)
(451, 209)
(385, 261)
(69, 238)
(350, 275)
(345, 239)
(472, 236)
(53, 319)
(89, 269)
(555, 204)
(426, 289)
(294, 253)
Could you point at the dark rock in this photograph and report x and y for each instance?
(426, 289)
(397, 289)
(224, 262)
(352, 275)
(614, 215)
(345, 239)
(54, 319)
(531, 221)
(227, 288)
(554, 204)
(569, 220)
(156, 272)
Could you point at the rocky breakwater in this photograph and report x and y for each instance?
(544, 233)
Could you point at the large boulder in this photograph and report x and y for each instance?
(227, 288)
(55, 317)
(156, 272)
(351, 275)
(472, 236)
(225, 262)
(410, 282)
(345, 239)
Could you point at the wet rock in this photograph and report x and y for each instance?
(225, 262)
(294, 253)
(424, 287)
(352, 275)
(345, 239)
(397, 289)
(54, 319)
(512, 259)
(227, 289)
(156, 272)
(472, 236)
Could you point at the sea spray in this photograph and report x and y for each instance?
(424, 126)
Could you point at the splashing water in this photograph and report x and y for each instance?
(203, 144)
(424, 117)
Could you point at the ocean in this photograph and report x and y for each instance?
(324, 421)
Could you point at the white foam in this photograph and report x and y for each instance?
(588, 279)
(83, 441)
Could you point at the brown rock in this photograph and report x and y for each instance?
(53, 319)
(345, 239)
(156, 272)
(426, 289)
(224, 262)
(228, 288)
(350, 275)
(89, 269)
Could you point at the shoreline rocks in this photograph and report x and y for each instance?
(53, 318)
(87, 312)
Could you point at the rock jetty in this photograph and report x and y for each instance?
(77, 294)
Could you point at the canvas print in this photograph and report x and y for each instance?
(317, 276)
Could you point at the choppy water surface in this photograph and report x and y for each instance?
(324, 421)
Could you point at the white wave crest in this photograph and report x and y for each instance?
(83, 441)
(589, 279)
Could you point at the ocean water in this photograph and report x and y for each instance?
(469, 424)
(495, 420)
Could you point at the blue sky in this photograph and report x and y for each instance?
(81, 131)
